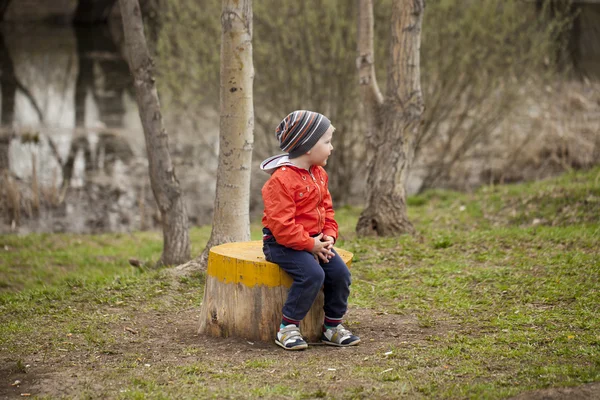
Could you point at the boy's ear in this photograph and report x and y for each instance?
(308, 152)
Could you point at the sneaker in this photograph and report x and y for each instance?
(339, 336)
(290, 338)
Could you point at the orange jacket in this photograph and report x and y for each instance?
(297, 206)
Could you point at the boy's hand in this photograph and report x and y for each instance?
(322, 250)
(330, 241)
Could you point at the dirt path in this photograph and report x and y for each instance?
(156, 340)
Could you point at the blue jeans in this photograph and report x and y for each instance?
(309, 275)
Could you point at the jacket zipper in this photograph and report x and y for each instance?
(320, 198)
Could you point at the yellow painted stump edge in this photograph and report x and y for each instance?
(244, 262)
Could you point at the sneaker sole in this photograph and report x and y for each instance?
(299, 347)
(327, 342)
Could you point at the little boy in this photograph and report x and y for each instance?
(300, 230)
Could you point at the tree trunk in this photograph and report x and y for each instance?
(231, 218)
(394, 121)
(165, 185)
(244, 295)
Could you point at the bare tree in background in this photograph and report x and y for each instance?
(165, 186)
(231, 217)
(479, 73)
(393, 122)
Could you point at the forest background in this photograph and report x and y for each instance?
(503, 103)
(510, 91)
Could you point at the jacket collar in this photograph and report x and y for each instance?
(272, 163)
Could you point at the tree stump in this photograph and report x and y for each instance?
(244, 294)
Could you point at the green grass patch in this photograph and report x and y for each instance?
(39, 261)
(497, 293)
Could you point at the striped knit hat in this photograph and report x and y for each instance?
(300, 131)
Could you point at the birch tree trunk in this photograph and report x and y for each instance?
(231, 218)
(164, 183)
(393, 122)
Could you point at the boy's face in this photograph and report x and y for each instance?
(322, 149)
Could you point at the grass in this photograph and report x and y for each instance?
(497, 294)
(38, 261)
